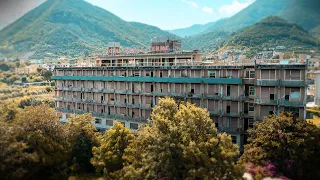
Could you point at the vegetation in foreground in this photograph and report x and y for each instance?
(181, 142)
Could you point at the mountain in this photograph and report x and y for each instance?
(271, 32)
(302, 12)
(72, 28)
(194, 29)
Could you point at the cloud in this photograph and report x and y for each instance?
(207, 10)
(193, 4)
(236, 6)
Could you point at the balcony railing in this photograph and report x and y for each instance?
(292, 103)
(215, 112)
(120, 91)
(266, 101)
(289, 83)
(232, 114)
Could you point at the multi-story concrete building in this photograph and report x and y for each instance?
(126, 87)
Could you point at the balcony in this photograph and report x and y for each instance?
(231, 98)
(270, 82)
(59, 88)
(215, 112)
(76, 89)
(293, 83)
(232, 114)
(86, 89)
(266, 101)
(96, 90)
(120, 91)
(287, 103)
(133, 105)
(120, 104)
(211, 96)
(231, 130)
(173, 94)
(59, 99)
(288, 83)
(158, 93)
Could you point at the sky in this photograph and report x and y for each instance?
(165, 14)
(172, 14)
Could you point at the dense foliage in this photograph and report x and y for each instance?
(272, 32)
(181, 143)
(283, 145)
(108, 158)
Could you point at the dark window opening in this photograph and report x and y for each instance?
(192, 91)
(228, 109)
(228, 90)
(160, 74)
(271, 96)
(271, 113)
(152, 74)
(286, 97)
(132, 101)
(152, 88)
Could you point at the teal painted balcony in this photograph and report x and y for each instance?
(293, 83)
(76, 89)
(120, 117)
(59, 99)
(265, 82)
(159, 93)
(195, 96)
(287, 103)
(133, 105)
(231, 130)
(76, 100)
(120, 91)
(215, 112)
(232, 114)
(105, 102)
(108, 116)
(266, 101)
(211, 96)
(66, 89)
(231, 98)
(182, 95)
(104, 90)
(96, 90)
(86, 89)
(153, 79)
(120, 104)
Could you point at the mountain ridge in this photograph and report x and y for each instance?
(72, 27)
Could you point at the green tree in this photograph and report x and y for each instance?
(47, 75)
(109, 156)
(8, 111)
(39, 128)
(291, 145)
(180, 143)
(14, 157)
(85, 137)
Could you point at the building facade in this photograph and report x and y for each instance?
(125, 88)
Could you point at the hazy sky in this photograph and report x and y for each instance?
(166, 14)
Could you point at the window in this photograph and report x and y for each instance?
(271, 113)
(234, 139)
(112, 98)
(251, 91)
(134, 126)
(271, 96)
(109, 122)
(137, 74)
(216, 125)
(250, 74)
(228, 90)
(98, 121)
(148, 74)
(228, 109)
(212, 74)
(251, 107)
(287, 97)
(160, 74)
